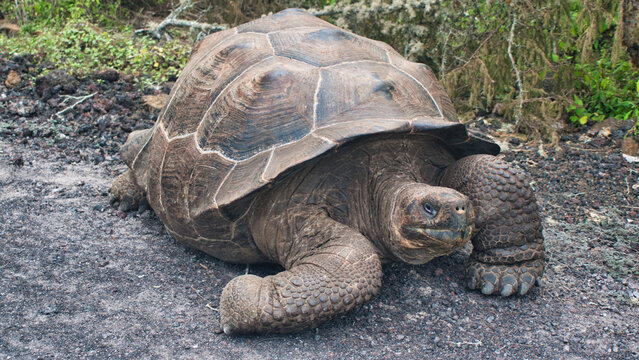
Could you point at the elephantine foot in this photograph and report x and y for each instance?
(505, 280)
(126, 194)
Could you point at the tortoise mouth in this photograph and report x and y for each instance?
(441, 236)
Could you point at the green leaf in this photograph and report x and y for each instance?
(555, 57)
(583, 120)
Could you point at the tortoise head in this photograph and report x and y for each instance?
(429, 221)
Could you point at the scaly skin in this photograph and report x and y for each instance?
(125, 191)
(508, 249)
(323, 282)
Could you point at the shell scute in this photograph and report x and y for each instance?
(283, 20)
(203, 82)
(269, 105)
(367, 91)
(245, 177)
(175, 179)
(324, 46)
(153, 169)
(284, 156)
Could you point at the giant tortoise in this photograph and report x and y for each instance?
(291, 141)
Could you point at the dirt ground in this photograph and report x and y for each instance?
(81, 280)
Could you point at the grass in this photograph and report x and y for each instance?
(81, 48)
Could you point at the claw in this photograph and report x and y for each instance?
(524, 288)
(488, 288)
(472, 283)
(507, 290)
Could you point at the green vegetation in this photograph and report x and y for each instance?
(606, 90)
(85, 36)
(537, 62)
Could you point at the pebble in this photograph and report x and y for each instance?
(50, 310)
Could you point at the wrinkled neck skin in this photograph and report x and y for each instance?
(400, 182)
(385, 192)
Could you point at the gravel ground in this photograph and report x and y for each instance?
(79, 279)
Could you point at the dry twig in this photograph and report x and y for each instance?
(172, 20)
(518, 114)
(79, 98)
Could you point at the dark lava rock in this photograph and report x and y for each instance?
(47, 85)
(108, 75)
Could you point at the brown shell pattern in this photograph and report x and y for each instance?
(262, 98)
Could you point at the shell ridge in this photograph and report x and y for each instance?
(323, 138)
(356, 62)
(181, 136)
(316, 99)
(222, 184)
(270, 43)
(187, 192)
(268, 162)
(166, 136)
(148, 141)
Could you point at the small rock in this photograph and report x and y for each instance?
(121, 214)
(100, 207)
(108, 75)
(155, 101)
(17, 161)
(400, 337)
(630, 147)
(13, 79)
(514, 141)
(50, 81)
(50, 310)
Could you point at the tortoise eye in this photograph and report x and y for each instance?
(430, 211)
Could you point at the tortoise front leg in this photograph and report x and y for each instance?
(508, 249)
(329, 280)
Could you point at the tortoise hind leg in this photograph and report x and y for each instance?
(124, 189)
(323, 282)
(508, 249)
(126, 193)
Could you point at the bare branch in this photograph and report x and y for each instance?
(172, 20)
(359, 8)
(79, 98)
(520, 87)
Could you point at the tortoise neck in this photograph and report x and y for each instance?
(386, 188)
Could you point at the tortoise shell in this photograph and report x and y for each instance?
(257, 101)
